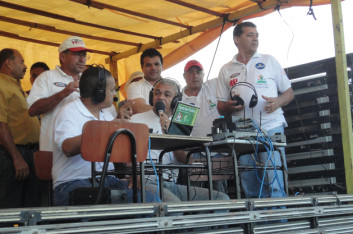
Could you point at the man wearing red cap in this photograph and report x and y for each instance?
(54, 88)
(202, 94)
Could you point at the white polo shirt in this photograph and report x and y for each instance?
(69, 123)
(268, 78)
(139, 89)
(206, 99)
(47, 84)
(152, 121)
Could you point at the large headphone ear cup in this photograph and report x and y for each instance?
(150, 97)
(175, 100)
(253, 101)
(239, 101)
(99, 96)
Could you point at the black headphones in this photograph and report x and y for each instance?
(239, 100)
(98, 94)
(175, 100)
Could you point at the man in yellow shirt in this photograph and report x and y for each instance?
(19, 135)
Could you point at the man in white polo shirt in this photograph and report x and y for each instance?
(54, 88)
(258, 79)
(202, 94)
(151, 64)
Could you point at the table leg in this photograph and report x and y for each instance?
(209, 172)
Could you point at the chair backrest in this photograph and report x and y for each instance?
(43, 162)
(96, 134)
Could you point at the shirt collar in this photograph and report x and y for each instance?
(84, 111)
(256, 55)
(12, 80)
(62, 72)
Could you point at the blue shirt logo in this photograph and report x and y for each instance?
(59, 84)
(260, 66)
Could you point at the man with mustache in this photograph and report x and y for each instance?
(167, 92)
(264, 88)
(19, 135)
(55, 88)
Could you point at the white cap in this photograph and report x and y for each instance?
(73, 44)
(133, 76)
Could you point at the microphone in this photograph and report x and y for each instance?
(160, 107)
(115, 99)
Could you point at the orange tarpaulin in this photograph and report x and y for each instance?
(121, 30)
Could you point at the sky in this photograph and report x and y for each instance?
(292, 37)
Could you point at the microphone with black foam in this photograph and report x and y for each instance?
(160, 107)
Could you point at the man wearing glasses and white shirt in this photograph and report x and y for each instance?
(54, 88)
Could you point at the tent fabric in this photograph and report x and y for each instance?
(117, 28)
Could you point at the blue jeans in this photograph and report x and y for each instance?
(273, 185)
(61, 192)
(175, 192)
(218, 185)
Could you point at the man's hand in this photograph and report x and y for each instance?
(164, 121)
(71, 87)
(21, 168)
(271, 105)
(125, 112)
(138, 182)
(227, 108)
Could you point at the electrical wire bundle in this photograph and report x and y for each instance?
(267, 143)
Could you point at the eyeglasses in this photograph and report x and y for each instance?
(79, 54)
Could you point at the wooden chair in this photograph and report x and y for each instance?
(118, 142)
(43, 162)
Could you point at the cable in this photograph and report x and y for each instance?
(173, 174)
(154, 168)
(270, 150)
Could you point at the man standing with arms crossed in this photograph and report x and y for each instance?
(152, 65)
(202, 94)
(273, 89)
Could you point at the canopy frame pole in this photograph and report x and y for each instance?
(343, 92)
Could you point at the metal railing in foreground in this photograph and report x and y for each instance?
(316, 214)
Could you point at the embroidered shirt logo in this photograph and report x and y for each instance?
(59, 84)
(233, 82)
(260, 66)
(234, 75)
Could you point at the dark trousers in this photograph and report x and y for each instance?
(14, 193)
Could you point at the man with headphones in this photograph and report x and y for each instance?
(163, 99)
(255, 85)
(70, 171)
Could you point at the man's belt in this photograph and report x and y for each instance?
(30, 146)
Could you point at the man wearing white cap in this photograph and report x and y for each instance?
(54, 88)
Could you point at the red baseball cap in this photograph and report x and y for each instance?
(192, 63)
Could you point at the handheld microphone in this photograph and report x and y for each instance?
(160, 107)
(115, 99)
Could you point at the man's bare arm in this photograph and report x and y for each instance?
(44, 105)
(6, 140)
(140, 106)
(227, 108)
(72, 146)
